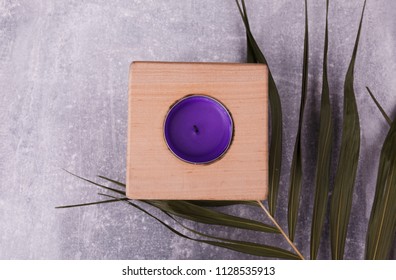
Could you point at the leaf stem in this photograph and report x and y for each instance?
(281, 230)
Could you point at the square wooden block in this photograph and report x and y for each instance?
(154, 172)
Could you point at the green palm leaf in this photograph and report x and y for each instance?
(96, 184)
(275, 149)
(382, 224)
(386, 117)
(186, 210)
(250, 57)
(90, 203)
(235, 245)
(269, 249)
(324, 155)
(296, 165)
(341, 200)
(195, 210)
(113, 181)
(200, 214)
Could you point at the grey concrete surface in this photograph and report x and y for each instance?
(63, 104)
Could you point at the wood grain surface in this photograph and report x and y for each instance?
(153, 172)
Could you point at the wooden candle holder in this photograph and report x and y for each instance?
(153, 172)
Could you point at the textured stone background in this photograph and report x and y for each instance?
(63, 104)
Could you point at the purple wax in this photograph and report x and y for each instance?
(198, 129)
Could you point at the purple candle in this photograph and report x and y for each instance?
(198, 129)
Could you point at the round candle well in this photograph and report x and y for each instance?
(198, 129)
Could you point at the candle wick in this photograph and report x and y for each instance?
(196, 130)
